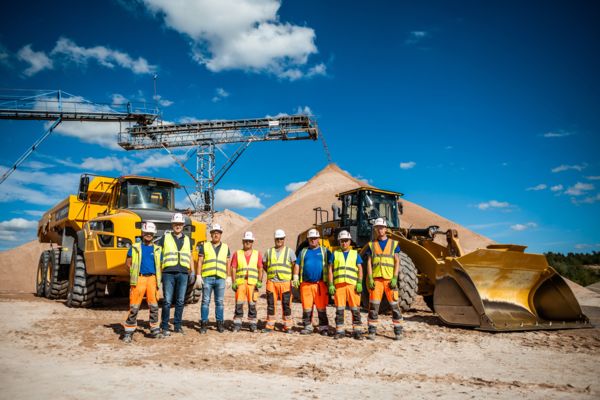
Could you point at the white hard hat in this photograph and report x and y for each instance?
(178, 219)
(313, 233)
(216, 227)
(248, 236)
(344, 235)
(279, 234)
(149, 227)
(380, 222)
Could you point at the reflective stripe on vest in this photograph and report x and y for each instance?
(279, 267)
(247, 269)
(172, 256)
(136, 262)
(323, 261)
(215, 264)
(345, 270)
(382, 261)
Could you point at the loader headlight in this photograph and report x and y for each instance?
(123, 242)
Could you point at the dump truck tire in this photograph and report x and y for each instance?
(56, 288)
(192, 295)
(42, 270)
(407, 287)
(84, 290)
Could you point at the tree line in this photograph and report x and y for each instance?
(576, 266)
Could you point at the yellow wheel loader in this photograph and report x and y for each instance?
(499, 288)
(91, 232)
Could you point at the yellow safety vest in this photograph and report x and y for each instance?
(172, 256)
(323, 260)
(215, 264)
(345, 270)
(245, 269)
(279, 267)
(382, 261)
(136, 262)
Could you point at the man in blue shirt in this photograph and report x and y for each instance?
(310, 276)
(143, 261)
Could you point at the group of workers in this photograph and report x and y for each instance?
(315, 271)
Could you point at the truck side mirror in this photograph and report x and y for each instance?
(84, 184)
(400, 208)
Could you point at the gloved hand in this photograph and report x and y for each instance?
(234, 286)
(199, 283)
(359, 287)
(371, 282)
(296, 281)
(258, 284)
(394, 282)
(331, 290)
(192, 278)
(228, 282)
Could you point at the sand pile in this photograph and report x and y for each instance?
(230, 221)
(19, 266)
(295, 213)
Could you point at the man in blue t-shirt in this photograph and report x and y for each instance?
(310, 274)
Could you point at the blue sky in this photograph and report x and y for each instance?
(484, 112)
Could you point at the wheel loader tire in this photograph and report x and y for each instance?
(192, 295)
(56, 288)
(84, 290)
(408, 283)
(42, 270)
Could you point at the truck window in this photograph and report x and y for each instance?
(146, 195)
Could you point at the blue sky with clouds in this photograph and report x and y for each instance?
(484, 112)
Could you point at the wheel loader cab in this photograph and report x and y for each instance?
(361, 207)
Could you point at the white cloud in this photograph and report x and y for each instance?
(407, 165)
(557, 188)
(220, 94)
(415, 37)
(557, 134)
(33, 164)
(304, 111)
(37, 60)
(162, 102)
(587, 200)
(583, 246)
(593, 178)
(241, 34)
(118, 99)
(109, 163)
(33, 213)
(522, 227)
(37, 187)
(292, 187)
(105, 134)
(579, 188)
(541, 186)
(17, 228)
(105, 56)
(233, 198)
(564, 167)
(152, 162)
(493, 204)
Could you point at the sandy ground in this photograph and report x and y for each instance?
(50, 351)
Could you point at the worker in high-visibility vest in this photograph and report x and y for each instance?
(246, 273)
(383, 266)
(279, 263)
(345, 284)
(143, 262)
(310, 277)
(177, 273)
(213, 275)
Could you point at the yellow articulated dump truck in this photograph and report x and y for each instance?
(499, 288)
(92, 231)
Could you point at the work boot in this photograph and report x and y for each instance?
(253, 328)
(339, 335)
(220, 326)
(358, 335)
(398, 333)
(179, 330)
(165, 332)
(236, 327)
(127, 337)
(372, 333)
(203, 326)
(267, 330)
(156, 334)
(307, 330)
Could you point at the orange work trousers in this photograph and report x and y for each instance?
(345, 293)
(245, 294)
(382, 286)
(279, 291)
(314, 294)
(146, 286)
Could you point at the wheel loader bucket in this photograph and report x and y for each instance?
(501, 288)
